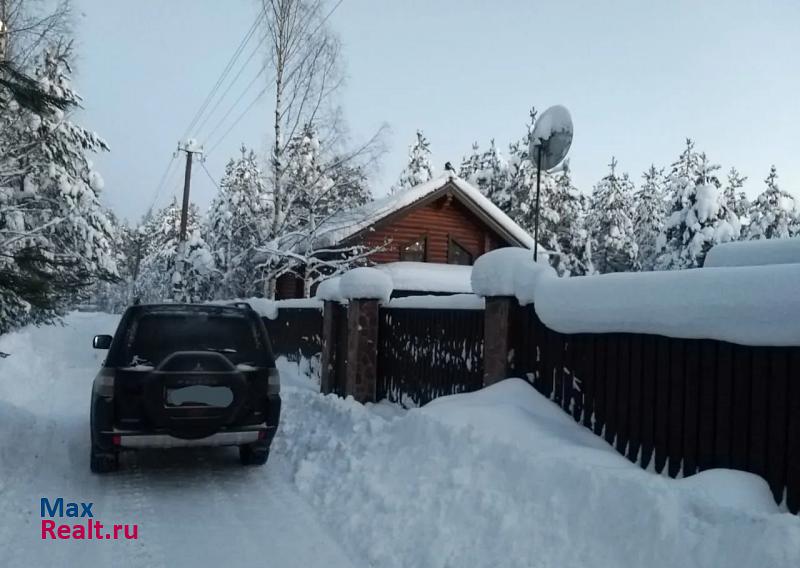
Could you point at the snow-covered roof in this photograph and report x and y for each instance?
(350, 222)
(429, 277)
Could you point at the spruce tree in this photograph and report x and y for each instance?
(735, 198)
(470, 164)
(649, 214)
(698, 217)
(773, 215)
(610, 223)
(419, 168)
(238, 221)
(491, 177)
(572, 238)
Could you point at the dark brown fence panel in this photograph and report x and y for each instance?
(424, 354)
(691, 407)
(296, 332)
(648, 408)
(778, 415)
(707, 383)
(793, 433)
(757, 454)
(661, 440)
(636, 382)
(724, 406)
(740, 431)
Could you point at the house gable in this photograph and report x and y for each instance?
(439, 219)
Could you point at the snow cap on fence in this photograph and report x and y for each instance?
(366, 283)
(754, 253)
(509, 271)
(751, 305)
(329, 290)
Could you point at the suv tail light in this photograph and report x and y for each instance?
(104, 383)
(274, 381)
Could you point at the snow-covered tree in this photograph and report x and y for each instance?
(319, 186)
(573, 246)
(610, 222)
(649, 216)
(774, 214)
(491, 175)
(419, 168)
(171, 269)
(736, 199)
(471, 163)
(698, 218)
(55, 238)
(238, 221)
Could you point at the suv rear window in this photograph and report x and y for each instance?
(154, 336)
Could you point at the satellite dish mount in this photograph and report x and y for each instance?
(548, 145)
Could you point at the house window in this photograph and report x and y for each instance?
(414, 250)
(458, 254)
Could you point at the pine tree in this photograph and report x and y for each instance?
(470, 164)
(56, 240)
(698, 217)
(735, 198)
(171, 269)
(238, 221)
(491, 176)
(773, 215)
(649, 214)
(610, 223)
(572, 238)
(419, 168)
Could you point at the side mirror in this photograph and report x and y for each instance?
(101, 341)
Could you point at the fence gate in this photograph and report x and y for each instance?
(424, 354)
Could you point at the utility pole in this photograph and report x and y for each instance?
(191, 148)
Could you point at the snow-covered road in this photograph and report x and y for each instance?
(193, 508)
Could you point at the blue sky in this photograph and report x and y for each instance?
(637, 76)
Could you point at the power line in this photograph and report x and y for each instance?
(221, 98)
(259, 95)
(205, 169)
(224, 74)
(162, 181)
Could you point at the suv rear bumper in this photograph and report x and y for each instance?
(235, 438)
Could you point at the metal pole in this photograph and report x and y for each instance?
(536, 214)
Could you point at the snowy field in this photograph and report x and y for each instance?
(496, 478)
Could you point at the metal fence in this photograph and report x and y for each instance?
(425, 353)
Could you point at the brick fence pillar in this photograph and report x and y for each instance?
(496, 338)
(362, 350)
(328, 347)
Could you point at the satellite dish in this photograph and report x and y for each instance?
(551, 138)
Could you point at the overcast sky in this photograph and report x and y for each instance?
(638, 77)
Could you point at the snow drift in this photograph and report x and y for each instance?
(502, 477)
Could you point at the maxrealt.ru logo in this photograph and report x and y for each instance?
(85, 529)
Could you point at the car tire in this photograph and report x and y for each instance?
(103, 462)
(253, 454)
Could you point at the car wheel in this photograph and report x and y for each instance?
(253, 454)
(103, 462)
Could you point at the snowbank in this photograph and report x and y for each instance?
(509, 272)
(754, 253)
(366, 283)
(503, 477)
(450, 302)
(429, 276)
(747, 305)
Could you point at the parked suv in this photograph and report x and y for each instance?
(185, 375)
